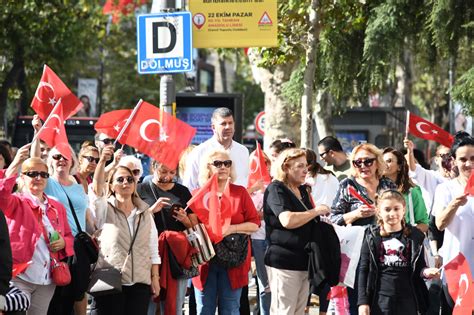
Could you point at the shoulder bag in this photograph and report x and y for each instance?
(232, 251)
(108, 280)
(199, 239)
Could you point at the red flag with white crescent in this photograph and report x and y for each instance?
(53, 131)
(424, 129)
(460, 285)
(157, 134)
(258, 168)
(50, 90)
(111, 123)
(470, 185)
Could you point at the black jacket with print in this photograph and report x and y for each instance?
(369, 270)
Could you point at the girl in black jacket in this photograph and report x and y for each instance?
(392, 264)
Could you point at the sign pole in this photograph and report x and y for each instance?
(167, 83)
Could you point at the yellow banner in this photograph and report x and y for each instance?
(234, 23)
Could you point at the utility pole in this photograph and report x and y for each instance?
(167, 83)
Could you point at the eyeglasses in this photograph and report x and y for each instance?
(324, 153)
(122, 179)
(218, 164)
(91, 159)
(34, 174)
(58, 157)
(136, 172)
(107, 141)
(367, 162)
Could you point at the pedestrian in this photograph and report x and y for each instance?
(288, 230)
(331, 151)
(392, 266)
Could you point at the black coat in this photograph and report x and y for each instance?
(5, 256)
(369, 273)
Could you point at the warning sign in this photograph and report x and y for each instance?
(234, 23)
(265, 19)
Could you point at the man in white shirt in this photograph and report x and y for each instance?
(223, 126)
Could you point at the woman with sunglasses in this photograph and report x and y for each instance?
(217, 284)
(397, 171)
(88, 159)
(38, 228)
(453, 208)
(121, 217)
(367, 169)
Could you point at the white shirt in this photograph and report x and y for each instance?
(239, 155)
(323, 188)
(428, 180)
(38, 272)
(459, 234)
(257, 198)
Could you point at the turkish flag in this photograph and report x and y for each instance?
(258, 167)
(157, 134)
(49, 91)
(53, 131)
(424, 129)
(460, 286)
(112, 122)
(470, 185)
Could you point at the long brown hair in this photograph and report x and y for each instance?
(403, 181)
(314, 168)
(391, 194)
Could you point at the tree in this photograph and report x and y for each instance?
(34, 33)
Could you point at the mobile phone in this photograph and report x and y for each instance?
(175, 207)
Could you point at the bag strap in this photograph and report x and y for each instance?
(156, 199)
(129, 253)
(76, 220)
(410, 208)
(53, 255)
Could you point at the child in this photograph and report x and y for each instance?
(392, 264)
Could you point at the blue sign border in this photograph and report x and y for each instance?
(187, 42)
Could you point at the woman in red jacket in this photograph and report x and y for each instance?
(38, 228)
(217, 284)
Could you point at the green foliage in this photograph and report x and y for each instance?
(463, 92)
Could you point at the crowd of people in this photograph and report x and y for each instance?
(410, 213)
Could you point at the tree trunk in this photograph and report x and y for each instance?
(308, 78)
(10, 80)
(280, 120)
(322, 114)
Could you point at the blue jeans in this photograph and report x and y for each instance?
(259, 247)
(217, 290)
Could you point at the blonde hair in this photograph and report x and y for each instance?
(375, 151)
(26, 166)
(278, 168)
(183, 160)
(74, 161)
(130, 159)
(390, 194)
(205, 171)
(110, 180)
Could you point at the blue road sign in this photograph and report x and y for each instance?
(164, 43)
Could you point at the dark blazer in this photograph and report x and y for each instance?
(369, 273)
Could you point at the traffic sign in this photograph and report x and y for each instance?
(260, 123)
(164, 43)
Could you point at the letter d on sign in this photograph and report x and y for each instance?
(157, 39)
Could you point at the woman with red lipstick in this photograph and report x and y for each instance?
(367, 169)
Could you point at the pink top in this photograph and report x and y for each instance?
(22, 214)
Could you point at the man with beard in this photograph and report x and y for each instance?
(171, 217)
(223, 127)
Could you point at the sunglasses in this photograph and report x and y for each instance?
(34, 174)
(218, 164)
(107, 141)
(58, 157)
(91, 159)
(324, 153)
(122, 179)
(367, 162)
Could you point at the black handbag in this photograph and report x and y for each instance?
(108, 280)
(83, 239)
(231, 251)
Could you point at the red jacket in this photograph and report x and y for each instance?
(22, 215)
(243, 210)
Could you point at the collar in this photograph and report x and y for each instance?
(217, 143)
